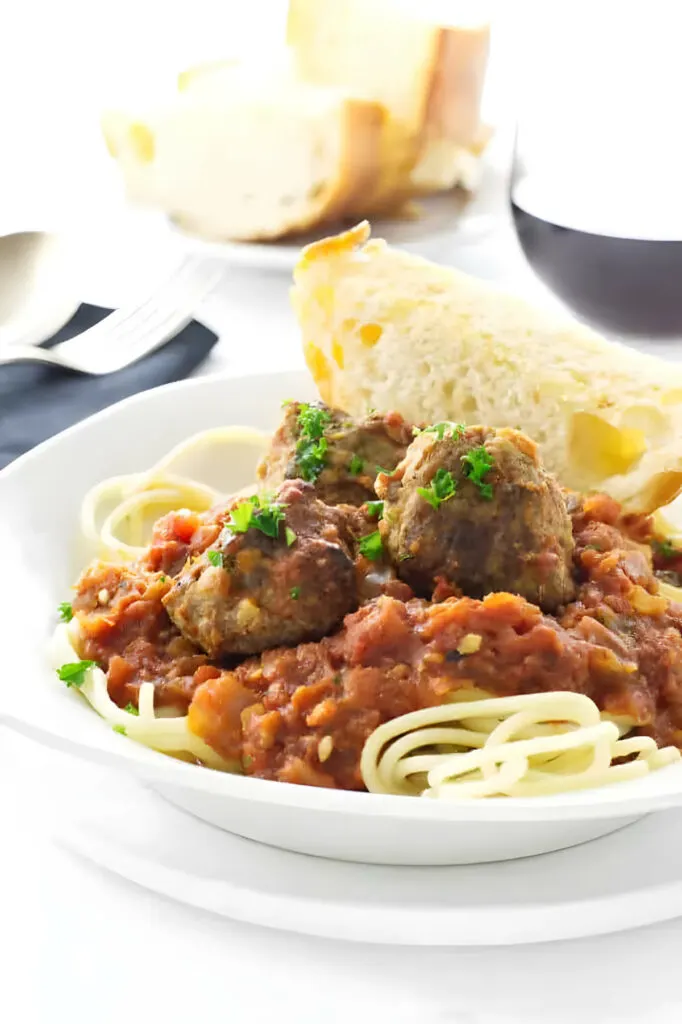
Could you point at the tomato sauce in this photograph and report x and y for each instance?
(302, 714)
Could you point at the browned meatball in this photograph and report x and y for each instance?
(339, 455)
(251, 591)
(474, 508)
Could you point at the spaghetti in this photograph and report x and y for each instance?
(165, 733)
(117, 513)
(531, 745)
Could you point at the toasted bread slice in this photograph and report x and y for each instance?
(428, 75)
(237, 154)
(385, 329)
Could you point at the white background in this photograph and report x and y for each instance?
(78, 945)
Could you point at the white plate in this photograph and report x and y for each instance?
(40, 496)
(445, 223)
(591, 890)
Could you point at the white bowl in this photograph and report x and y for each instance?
(40, 495)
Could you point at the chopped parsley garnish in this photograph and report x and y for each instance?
(386, 472)
(312, 421)
(267, 517)
(441, 430)
(162, 579)
(375, 508)
(664, 548)
(65, 611)
(241, 516)
(477, 462)
(311, 450)
(121, 729)
(261, 513)
(131, 709)
(441, 488)
(356, 466)
(311, 457)
(371, 546)
(289, 535)
(215, 558)
(295, 593)
(73, 673)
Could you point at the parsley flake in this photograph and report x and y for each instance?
(445, 429)
(267, 517)
(440, 489)
(311, 457)
(371, 546)
(65, 611)
(215, 558)
(73, 673)
(261, 513)
(476, 463)
(121, 729)
(356, 466)
(295, 593)
(664, 548)
(241, 516)
(375, 508)
(162, 579)
(312, 421)
(312, 447)
(131, 709)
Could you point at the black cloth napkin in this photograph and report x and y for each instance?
(38, 401)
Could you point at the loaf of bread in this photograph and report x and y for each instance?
(427, 73)
(242, 154)
(388, 330)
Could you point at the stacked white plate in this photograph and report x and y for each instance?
(630, 878)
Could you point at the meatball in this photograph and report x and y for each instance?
(253, 590)
(473, 508)
(338, 454)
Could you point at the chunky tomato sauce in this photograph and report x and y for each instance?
(302, 714)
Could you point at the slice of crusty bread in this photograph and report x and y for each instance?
(385, 329)
(239, 154)
(429, 76)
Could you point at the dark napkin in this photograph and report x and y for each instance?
(38, 401)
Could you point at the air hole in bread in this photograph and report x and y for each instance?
(468, 407)
(370, 334)
(653, 424)
(600, 449)
(141, 139)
